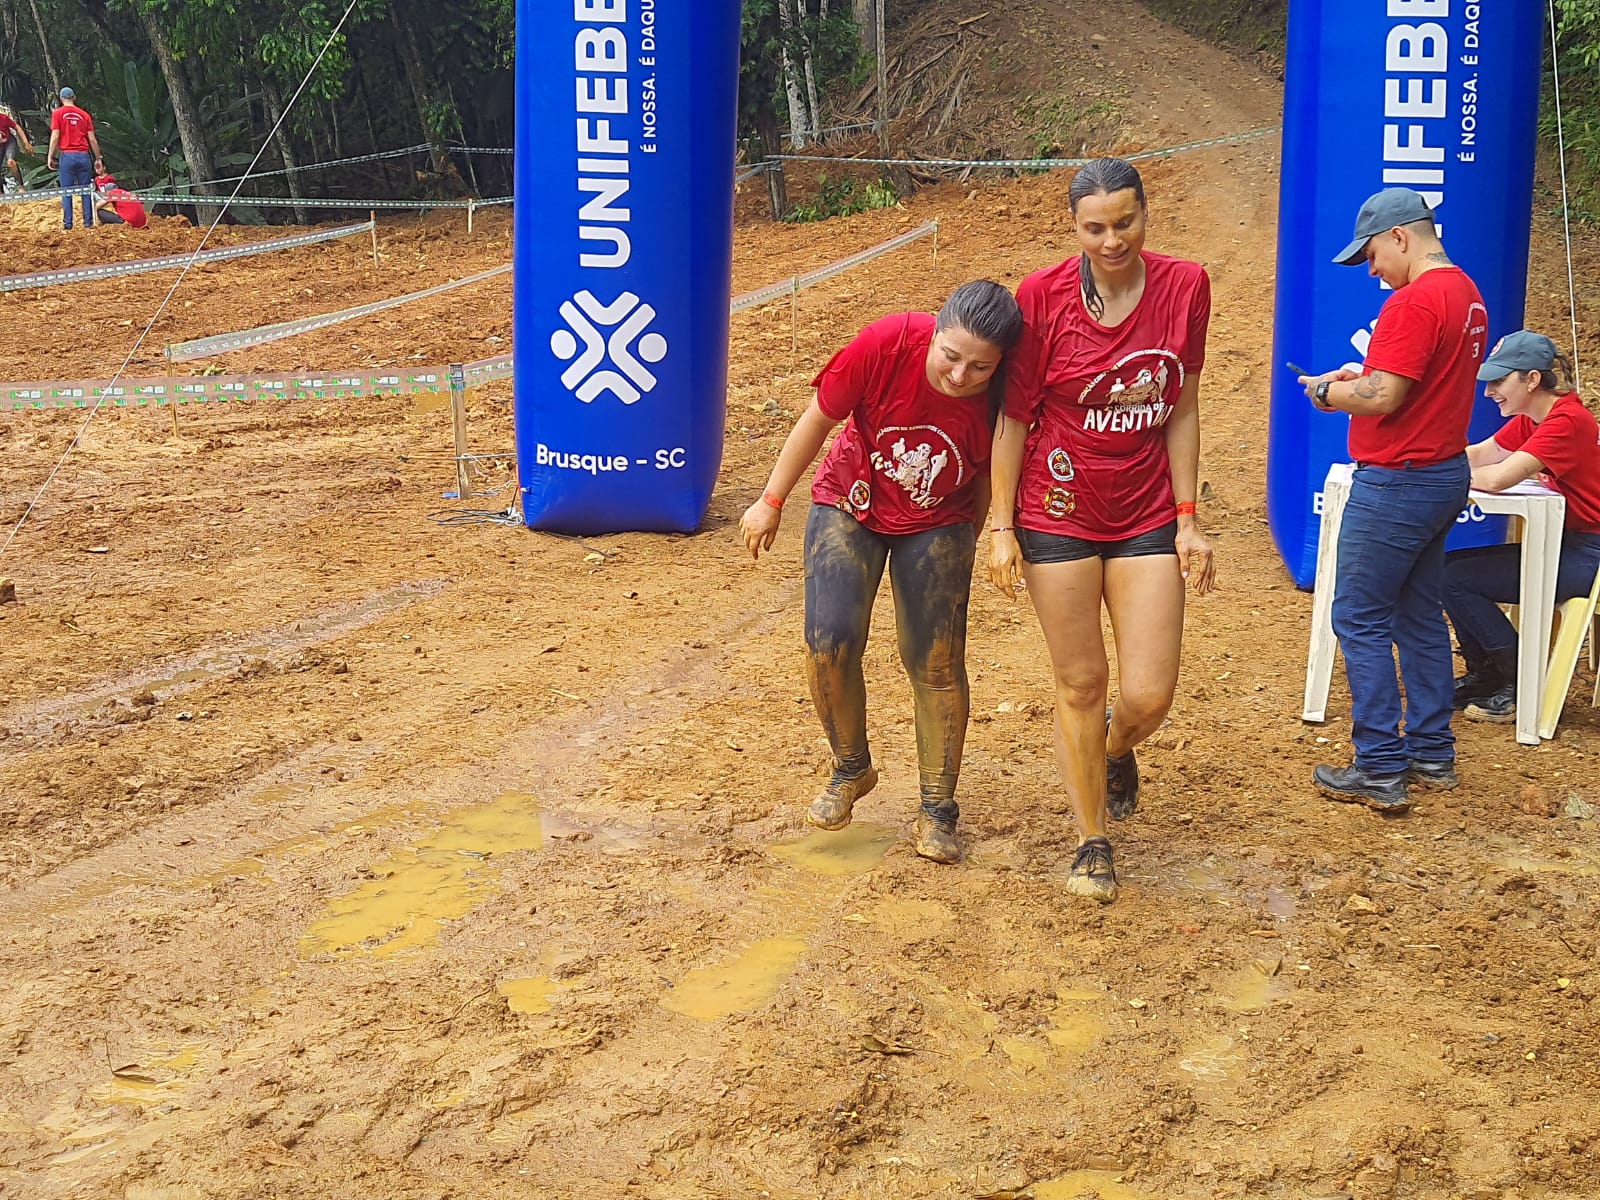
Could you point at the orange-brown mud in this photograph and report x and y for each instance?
(347, 853)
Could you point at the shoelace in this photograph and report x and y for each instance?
(1095, 857)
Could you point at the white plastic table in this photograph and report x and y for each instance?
(1543, 510)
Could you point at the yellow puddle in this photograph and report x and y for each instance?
(741, 984)
(1252, 990)
(1086, 1185)
(155, 1080)
(528, 996)
(1550, 866)
(1074, 1027)
(442, 878)
(854, 850)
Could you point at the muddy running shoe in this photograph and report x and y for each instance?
(1093, 874)
(831, 809)
(936, 838)
(1353, 785)
(1501, 707)
(1439, 776)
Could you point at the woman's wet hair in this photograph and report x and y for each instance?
(1101, 177)
(988, 311)
(985, 310)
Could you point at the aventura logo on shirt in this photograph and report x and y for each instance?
(1135, 394)
(603, 66)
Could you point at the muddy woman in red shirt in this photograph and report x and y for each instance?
(1096, 465)
(904, 485)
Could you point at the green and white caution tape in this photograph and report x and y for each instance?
(328, 202)
(174, 262)
(222, 389)
(777, 291)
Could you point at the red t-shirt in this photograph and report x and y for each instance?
(909, 457)
(6, 126)
(1432, 331)
(1098, 399)
(75, 126)
(1567, 442)
(129, 208)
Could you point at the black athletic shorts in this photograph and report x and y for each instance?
(1057, 548)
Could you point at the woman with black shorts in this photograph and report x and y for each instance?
(904, 484)
(1096, 466)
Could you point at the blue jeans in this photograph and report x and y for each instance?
(1390, 594)
(77, 170)
(1479, 581)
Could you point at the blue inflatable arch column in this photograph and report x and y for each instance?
(1437, 95)
(626, 113)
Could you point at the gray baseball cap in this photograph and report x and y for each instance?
(1523, 350)
(68, 94)
(1382, 211)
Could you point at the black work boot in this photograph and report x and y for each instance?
(1439, 776)
(1500, 707)
(1355, 785)
(1487, 673)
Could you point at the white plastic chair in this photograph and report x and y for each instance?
(1578, 625)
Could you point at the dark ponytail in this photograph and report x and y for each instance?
(1556, 378)
(987, 311)
(1101, 177)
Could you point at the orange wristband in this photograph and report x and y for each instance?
(772, 500)
(1187, 508)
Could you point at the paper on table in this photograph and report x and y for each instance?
(1528, 487)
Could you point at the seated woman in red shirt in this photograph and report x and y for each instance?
(904, 484)
(1552, 435)
(1096, 465)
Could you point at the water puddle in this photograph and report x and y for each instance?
(1550, 866)
(742, 984)
(182, 674)
(1086, 1185)
(1074, 1027)
(1214, 1061)
(528, 996)
(854, 850)
(1254, 988)
(442, 878)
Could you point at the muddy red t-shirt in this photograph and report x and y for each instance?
(1567, 442)
(1432, 331)
(129, 207)
(909, 457)
(1099, 398)
(74, 125)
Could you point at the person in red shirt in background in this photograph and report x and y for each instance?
(116, 206)
(1550, 434)
(72, 140)
(904, 484)
(1096, 470)
(13, 136)
(1409, 408)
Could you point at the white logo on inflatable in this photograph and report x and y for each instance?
(627, 318)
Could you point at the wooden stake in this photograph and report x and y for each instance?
(936, 236)
(883, 80)
(794, 314)
(374, 216)
(469, 214)
(172, 393)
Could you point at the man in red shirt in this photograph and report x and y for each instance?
(13, 135)
(72, 140)
(1409, 408)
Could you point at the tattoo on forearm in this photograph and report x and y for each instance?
(1365, 388)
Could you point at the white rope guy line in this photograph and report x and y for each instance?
(171, 262)
(223, 342)
(1566, 203)
(178, 282)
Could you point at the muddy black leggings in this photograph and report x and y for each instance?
(931, 576)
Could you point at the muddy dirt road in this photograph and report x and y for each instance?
(347, 852)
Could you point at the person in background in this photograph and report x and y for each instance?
(1550, 434)
(73, 144)
(12, 137)
(904, 485)
(117, 206)
(1409, 410)
(1096, 477)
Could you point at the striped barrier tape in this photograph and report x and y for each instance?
(43, 194)
(1030, 163)
(203, 389)
(221, 343)
(778, 291)
(223, 389)
(328, 202)
(419, 148)
(173, 262)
